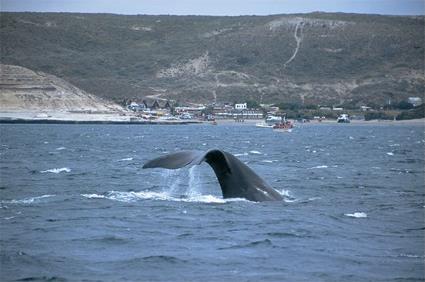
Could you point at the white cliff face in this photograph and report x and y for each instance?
(22, 89)
(194, 67)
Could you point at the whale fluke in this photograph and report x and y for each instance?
(236, 179)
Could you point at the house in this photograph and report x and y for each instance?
(270, 108)
(241, 107)
(135, 107)
(195, 111)
(415, 101)
(155, 105)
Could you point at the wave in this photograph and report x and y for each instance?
(410, 256)
(57, 170)
(27, 200)
(319, 166)
(42, 278)
(287, 197)
(254, 244)
(356, 214)
(390, 154)
(129, 197)
(154, 260)
(269, 161)
(255, 152)
(125, 159)
(241, 154)
(60, 148)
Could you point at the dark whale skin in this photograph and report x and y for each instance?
(236, 179)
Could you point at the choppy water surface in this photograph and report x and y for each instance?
(76, 205)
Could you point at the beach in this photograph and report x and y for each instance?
(130, 118)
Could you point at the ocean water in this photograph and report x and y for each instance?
(76, 205)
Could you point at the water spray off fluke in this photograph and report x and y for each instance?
(236, 179)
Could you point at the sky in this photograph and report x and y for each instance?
(217, 7)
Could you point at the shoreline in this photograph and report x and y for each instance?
(329, 122)
(57, 121)
(120, 118)
(418, 122)
(58, 117)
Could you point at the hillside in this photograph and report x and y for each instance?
(22, 90)
(317, 58)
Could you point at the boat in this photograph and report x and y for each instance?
(284, 126)
(343, 118)
(263, 125)
(283, 130)
(273, 119)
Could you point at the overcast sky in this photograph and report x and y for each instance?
(217, 7)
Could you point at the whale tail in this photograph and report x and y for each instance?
(236, 179)
(189, 158)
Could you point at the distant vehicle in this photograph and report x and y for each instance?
(186, 116)
(169, 117)
(343, 118)
(303, 120)
(148, 117)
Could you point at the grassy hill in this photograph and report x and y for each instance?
(317, 58)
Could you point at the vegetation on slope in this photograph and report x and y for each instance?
(345, 59)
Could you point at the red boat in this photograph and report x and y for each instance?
(283, 125)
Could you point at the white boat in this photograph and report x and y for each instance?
(263, 124)
(273, 119)
(343, 119)
(283, 130)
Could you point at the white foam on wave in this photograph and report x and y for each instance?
(356, 214)
(129, 197)
(284, 192)
(60, 148)
(287, 197)
(93, 196)
(27, 200)
(267, 161)
(125, 159)
(319, 166)
(390, 154)
(241, 154)
(314, 198)
(255, 152)
(57, 170)
(410, 256)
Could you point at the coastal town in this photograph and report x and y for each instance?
(240, 112)
(27, 96)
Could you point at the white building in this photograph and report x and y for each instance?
(240, 106)
(415, 101)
